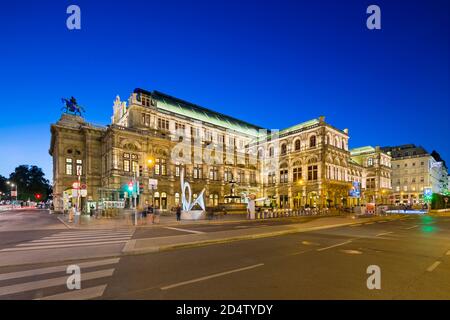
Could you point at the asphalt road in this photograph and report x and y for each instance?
(413, 255)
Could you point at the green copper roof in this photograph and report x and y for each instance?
(187, 109)
(300, 126)
(361, 150)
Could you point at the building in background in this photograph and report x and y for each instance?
(378, 172)
(413, 170)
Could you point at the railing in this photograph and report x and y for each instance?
(302, 212)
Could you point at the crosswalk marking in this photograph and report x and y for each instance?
(89, 293)
(185, 230)
(67, 234)
(41, 271)
(69, 239)
(56, 241)
(59, 281)
(62, 246)
(84, 237)
(53, 282)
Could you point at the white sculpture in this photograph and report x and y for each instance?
(251, 205)
(187, 213)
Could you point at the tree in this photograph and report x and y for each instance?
(3, 185)
(31, 183)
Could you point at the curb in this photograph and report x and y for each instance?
(64, 223)
(127, 250)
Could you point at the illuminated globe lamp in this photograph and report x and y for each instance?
(150, 162)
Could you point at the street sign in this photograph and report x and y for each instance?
(83, 192)
(152, 183)
(14, 193)
(75, 185)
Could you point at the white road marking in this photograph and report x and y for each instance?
(36, 272)
(309, 243)
(185, 230)
(297, 253)
(81, 233)
(433, 266)
(351, 251)
(384, 233)
(58, 241)
(355, 225)
(62, 246)
(179, 284)
(335, 245)
(60, 281)
(369, 223)
(82, 294)
(411, 227)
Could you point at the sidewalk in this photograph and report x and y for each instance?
(88, 222)
(148, 245)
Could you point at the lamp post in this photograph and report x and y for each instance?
(13, 185)
(150, 165)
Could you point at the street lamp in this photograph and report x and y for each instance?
(150, 164)
(12, 186)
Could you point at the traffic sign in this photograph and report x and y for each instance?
(152, 183)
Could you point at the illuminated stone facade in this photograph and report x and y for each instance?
(306, 164)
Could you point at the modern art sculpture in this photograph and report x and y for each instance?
(187, 213)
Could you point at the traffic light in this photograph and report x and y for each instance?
(37, 196)
(130, 186)
(141, 188)
(140, 171)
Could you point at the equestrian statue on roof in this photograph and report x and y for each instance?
(71, 106)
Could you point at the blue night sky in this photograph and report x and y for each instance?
(271, 63)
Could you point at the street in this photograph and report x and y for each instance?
(413, 254)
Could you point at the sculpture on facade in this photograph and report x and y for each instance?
(71, 106)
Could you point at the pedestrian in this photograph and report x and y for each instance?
(91, 211)
(178, 213)
(72, 213)
(150, 212)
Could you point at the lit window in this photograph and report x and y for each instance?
(312, 172)
(126, 162)
(79, 167)
(69, 166)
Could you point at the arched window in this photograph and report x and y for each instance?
(260, 153)
(163, 200)
(297, 145)
(336, 143)
(271, 151)
(157, 200)
(283, 149)
(312, 141)
(370, 162)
